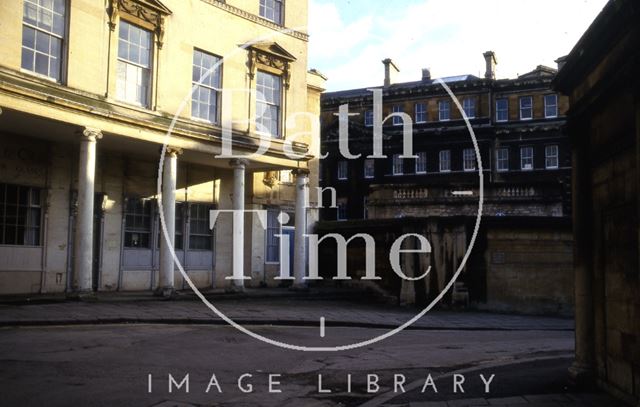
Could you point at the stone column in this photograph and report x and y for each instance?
(407, 288)
(582, 370)
(238, 278)
(167, 264)
(300, 243)
(83, 241)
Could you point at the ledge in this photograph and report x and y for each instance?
(257, 19)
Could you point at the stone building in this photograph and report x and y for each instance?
(89, 91)
(522, 257)
(601, 78)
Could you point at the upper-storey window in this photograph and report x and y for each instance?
(368, 118)
(502, 110)
(343, 170)
(421, 163)
(469, 159)
(421, 113)
(269, 91)
(551, 157)
(397, 165)
(271, 10)
(526, 158)
(43, 34)
(551, 106)
(469, 107)
(444, 110)
(502, 159)
(134, 64)
(206, 84)
(445, 161)
(20, 215)
(397, 120)
(526, 108)
(369, 168)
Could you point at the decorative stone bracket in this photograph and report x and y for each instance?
(272, 58)
(150, 14)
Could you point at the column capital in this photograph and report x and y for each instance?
(173, 151)
(301, 172)
(90, 134)
(238, 163)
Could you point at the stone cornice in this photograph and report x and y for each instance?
(257, 19)
(25, 87)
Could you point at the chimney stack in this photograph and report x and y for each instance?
(426, 75)
(491, 62)
(390, 71)
(561, 61)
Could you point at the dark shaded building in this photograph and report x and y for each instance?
(522, 258)
(601, 78)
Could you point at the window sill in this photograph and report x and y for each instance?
(40, 76)
(204, 121)
(22, 246)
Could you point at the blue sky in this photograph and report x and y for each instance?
(349, 38)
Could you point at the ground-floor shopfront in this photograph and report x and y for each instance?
(41, 210)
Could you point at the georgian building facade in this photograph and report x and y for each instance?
(526, 166)
(93, 94)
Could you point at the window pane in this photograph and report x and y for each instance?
(42, 64)
(27, 59)
(28, 37)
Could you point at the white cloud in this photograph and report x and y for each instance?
(447, 36)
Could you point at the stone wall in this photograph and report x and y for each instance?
(529, 270)
(519, 265)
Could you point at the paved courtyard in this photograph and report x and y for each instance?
(102, 353)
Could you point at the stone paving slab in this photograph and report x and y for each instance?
(545, 400)
(268, 311)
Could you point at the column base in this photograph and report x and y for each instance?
(82, 296)
(299, 287)
(234, 289)
(581, 376)
(168, 293)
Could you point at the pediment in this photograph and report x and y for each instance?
(155, 5)
(274, 49)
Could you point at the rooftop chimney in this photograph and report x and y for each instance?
(491, 62)
(390, 71)
(561, 61)
(426, 74)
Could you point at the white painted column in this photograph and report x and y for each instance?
(238, 224)
(83, 241)
(169, 179)
(300, 242)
